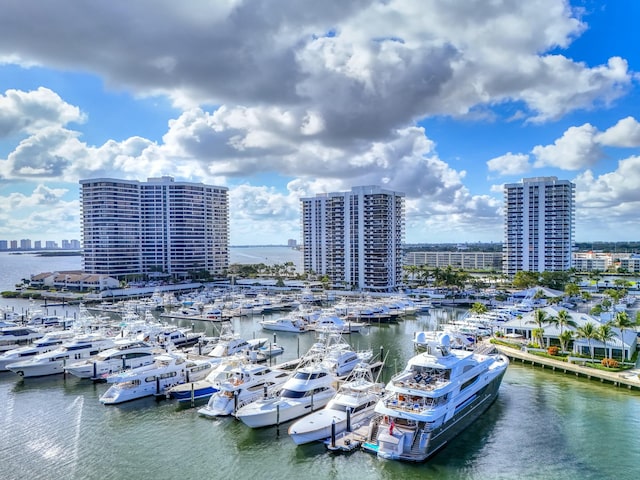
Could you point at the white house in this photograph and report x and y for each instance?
(524, 326)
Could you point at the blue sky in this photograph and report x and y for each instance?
(444, 101)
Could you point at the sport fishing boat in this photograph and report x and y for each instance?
(437, 395)
(245, 384)
(309, 388)
(352, 404)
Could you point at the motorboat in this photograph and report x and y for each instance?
(245, 384)
(198, 390)
(126, 354)
(231, 345)
(353, 403)
(287, 323)
(309, 388)
(168, 369)
(437, 395)
(50, 341)
(14, 337)
(54, 361)
(334, 323)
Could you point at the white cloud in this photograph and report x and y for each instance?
(509, 164)
(31, 111)
(576, 149)
(625, 133)
(608, 204)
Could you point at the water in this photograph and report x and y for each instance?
(543, 425)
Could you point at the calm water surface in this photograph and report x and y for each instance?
(543, 425)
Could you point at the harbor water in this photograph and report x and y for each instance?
(543, 425)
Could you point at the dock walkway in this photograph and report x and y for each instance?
(628, 379)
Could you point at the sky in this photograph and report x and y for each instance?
(442, 100)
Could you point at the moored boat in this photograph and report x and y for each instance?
(438, 394)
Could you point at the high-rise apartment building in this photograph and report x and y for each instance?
(159, 227)
(355, 238)
(539, 225)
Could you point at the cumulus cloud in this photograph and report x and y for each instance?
(576, 149)
(509, 164)
(364, 68)
(608, 203)
(625, 133)
(31, 111)
(42, 212)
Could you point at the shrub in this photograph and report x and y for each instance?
(553, 350)
(610, 363)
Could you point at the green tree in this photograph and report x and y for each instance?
(478, 308)
(562, 320)
(539, 318)
(564, 338)
(604, 334)
(571, 290)
(622, 321)
(524, 279)
(588, 331)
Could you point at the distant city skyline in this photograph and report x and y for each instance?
(433, 99)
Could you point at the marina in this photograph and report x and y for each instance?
(543, 423)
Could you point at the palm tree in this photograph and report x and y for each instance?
(565, 337)
(622, 321)
(590, 332)
(604, 334)
(540, 319)
(478, 308)
(562, 320)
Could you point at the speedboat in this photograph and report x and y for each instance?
(127, 353)
(437, 395)
(54, 361)
(334, 323)
(309, 388)
(14, 337)
(244, 385)
(50, 341)
(167, 370)
(352, 404)
(284, 324)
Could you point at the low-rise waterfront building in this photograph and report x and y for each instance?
(463, 260)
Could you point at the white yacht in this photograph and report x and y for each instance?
(14, 337)
(50, 341)
(167, 370)
(54, 361)
(438, 394)
(284, 324)
(352, 404)
(245, 384)
(127, 353)
(193, 391)
(334, 323)
(309, 388)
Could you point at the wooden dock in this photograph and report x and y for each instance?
(629, 380)
(349, 441)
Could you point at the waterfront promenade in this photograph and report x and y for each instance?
(628, 378)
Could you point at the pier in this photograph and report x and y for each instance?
(628, 379)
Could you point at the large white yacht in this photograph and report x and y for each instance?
(167, 370)
(438, 394)
(50, 341)
(54, 361)
(127, 353)
(288, 323)
(309, 388)
(14, 337)
(352, 404)
(245, 384)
